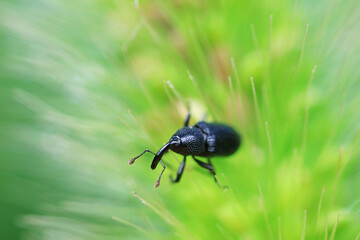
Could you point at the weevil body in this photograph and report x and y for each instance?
(201, 140)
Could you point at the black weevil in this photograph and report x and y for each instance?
(203, 140)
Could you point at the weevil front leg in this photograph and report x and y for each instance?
(186, 123)
(134, 158)
(179, 172)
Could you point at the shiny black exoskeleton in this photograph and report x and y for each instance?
(203, 140)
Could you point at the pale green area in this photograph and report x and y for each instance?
(84, 89)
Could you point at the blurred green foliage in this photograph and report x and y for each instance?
(87, 85)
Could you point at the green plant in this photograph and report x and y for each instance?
(87, 85)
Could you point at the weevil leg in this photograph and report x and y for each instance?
(210, 167)
(158, 181)
(187, 119)
(179, 172)
(207, 166)
(134, 158)
(216, 179)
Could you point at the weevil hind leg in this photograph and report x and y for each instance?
(179, 172)
(207, 166)
(210, 167)
(216, 178)
(134, 158)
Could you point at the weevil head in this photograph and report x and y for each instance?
(186, 141)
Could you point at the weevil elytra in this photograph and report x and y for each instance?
(201, 140)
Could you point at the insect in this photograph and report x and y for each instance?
(201, 140)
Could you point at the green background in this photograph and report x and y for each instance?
(87, 85)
